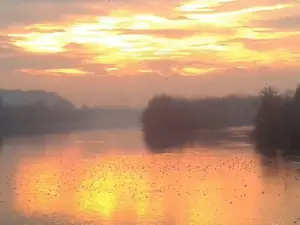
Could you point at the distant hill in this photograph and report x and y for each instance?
(20, 98)
(41, 112)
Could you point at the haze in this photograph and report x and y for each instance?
(122, 52)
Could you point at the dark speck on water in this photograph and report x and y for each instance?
(58, 180)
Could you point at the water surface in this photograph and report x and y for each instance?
(109, 177)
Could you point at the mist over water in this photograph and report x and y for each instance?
(111, 177)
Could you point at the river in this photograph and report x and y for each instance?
(110, 177)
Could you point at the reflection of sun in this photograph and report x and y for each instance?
(111, 190)
(130, 188)
(38, 187)
(102, 188)
(95, 197)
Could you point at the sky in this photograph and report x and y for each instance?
(123, 52)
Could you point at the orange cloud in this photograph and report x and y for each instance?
(122, 40)
(54, 72)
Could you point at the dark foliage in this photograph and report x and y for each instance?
(60, 116)
(277, 124)
(171, 122)
(22, 98)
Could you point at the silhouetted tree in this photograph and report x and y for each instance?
(292, 125)
(171, 122)
(1, 123)
(168, 123)
(267, 129)
(1, 114)
(54, 114)
(277, 124)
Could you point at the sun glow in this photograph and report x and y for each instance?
(122, 187)
(197, 29)
(55, 72)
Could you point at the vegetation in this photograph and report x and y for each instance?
(277, 123)
(171, 122)
(167, 122)
(22, 98)
(50, 113)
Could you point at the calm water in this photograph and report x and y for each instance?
(111, 178)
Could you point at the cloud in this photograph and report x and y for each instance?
(15, 12)
(289, 43)
(179, 33)
(125, 51)
(285, 23)
(22, 60)
(135, 91)
(20, 13)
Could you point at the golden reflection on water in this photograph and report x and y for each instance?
(187, 188)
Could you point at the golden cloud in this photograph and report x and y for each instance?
(189, 30)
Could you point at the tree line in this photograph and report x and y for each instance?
(63, 117)
(277, 123)
(170, 122)
(35, 118)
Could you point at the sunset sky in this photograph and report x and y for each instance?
(122, 52)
